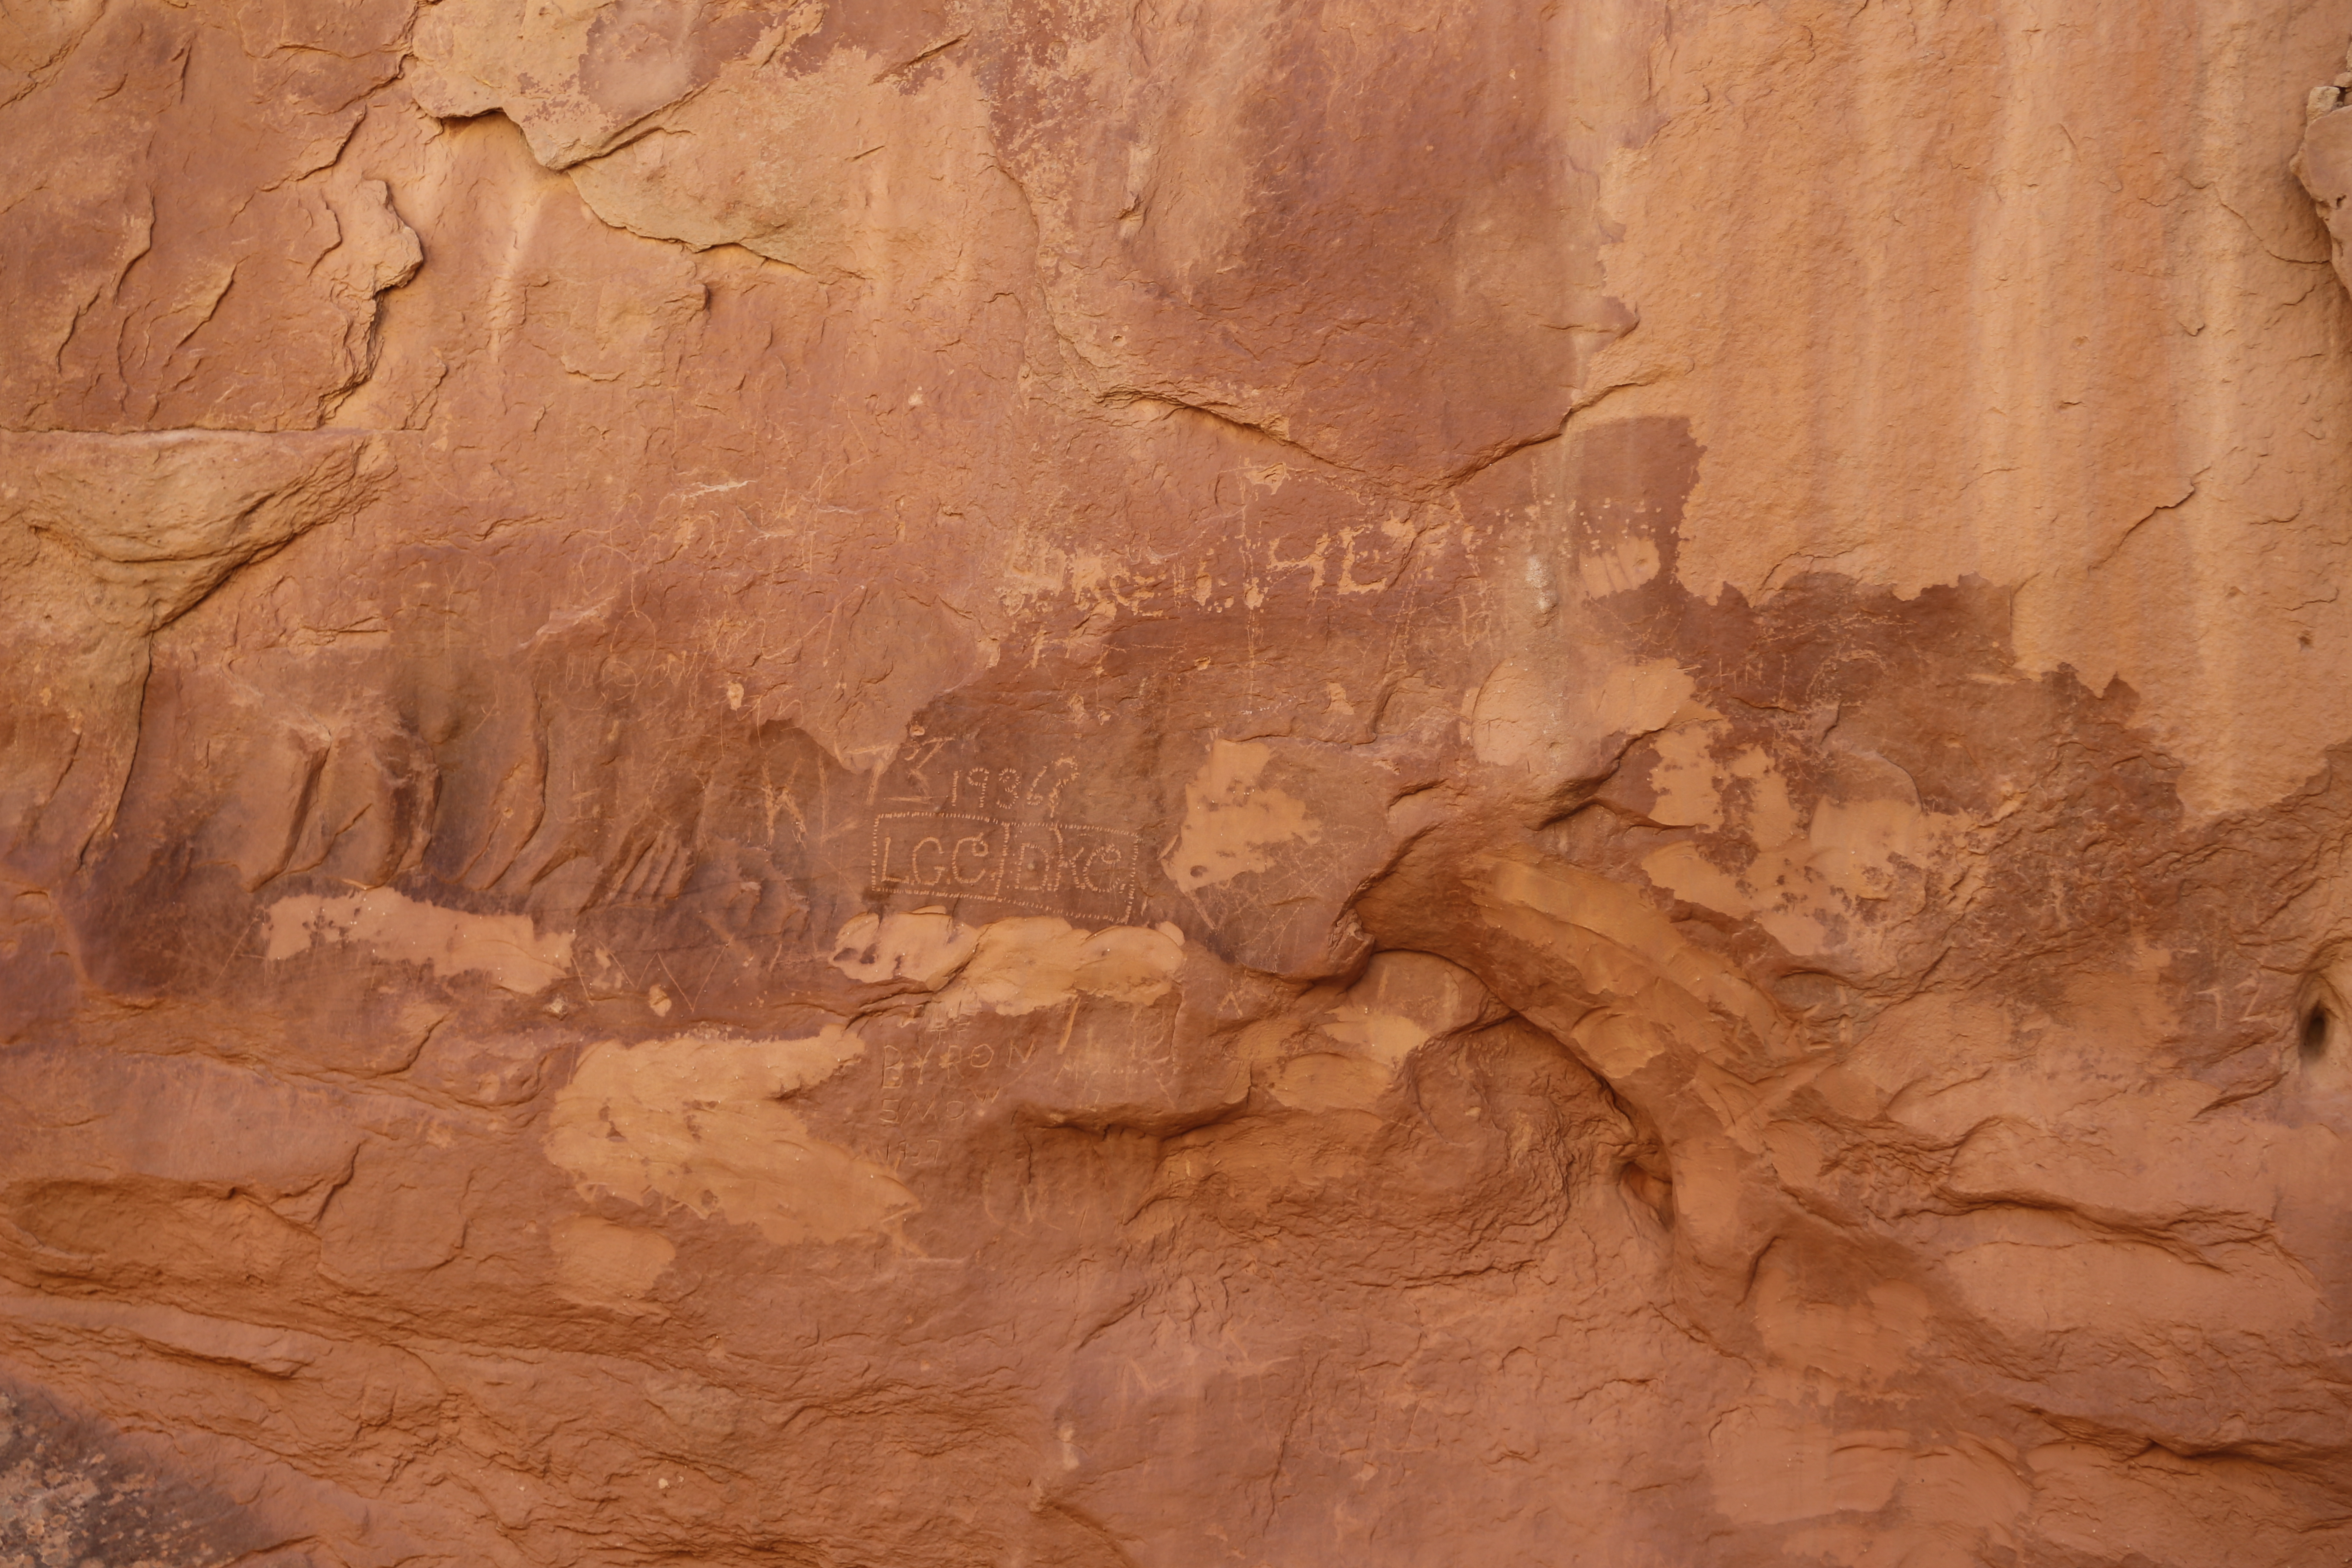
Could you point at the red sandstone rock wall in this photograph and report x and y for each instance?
(1212, 782)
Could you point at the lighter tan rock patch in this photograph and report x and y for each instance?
(1404, 1001)
(697, 1120)
(1231, 820)
(1811, 883)
(927, 947)
(1011, 966)
(1522, 716)
(1025, 965)
(509, 948)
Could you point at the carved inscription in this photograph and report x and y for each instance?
(936, 1080)
(998, 835)
(1088, 872)
(929, 772)
(928, 1079)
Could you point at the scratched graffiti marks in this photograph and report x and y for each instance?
(704, 881)
(1086, 873)
(952, 827)
(932, 1081)
(935, 1081)
(948, 772)
(713, 946)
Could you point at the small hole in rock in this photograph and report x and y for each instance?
(2315, 1034)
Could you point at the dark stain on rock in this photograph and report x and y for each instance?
(73, 1493)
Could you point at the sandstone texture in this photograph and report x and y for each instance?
(1257, 783)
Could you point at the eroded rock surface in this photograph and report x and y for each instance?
(1217, 784)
